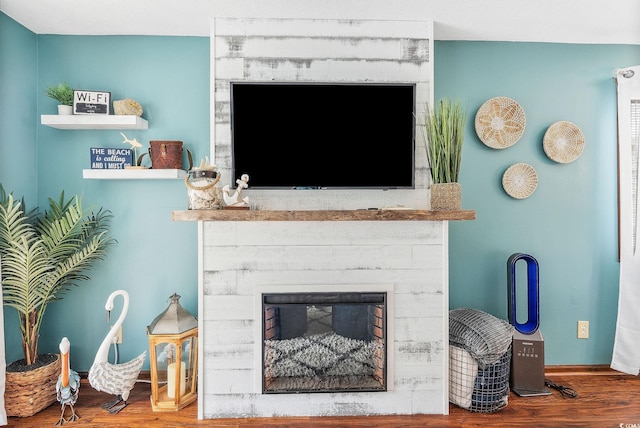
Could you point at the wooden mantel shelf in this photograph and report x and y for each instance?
(322, 215)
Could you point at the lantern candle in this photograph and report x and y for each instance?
(171, 379)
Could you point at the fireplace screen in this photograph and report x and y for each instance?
(324, 342)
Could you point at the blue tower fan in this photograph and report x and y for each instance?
(527, 362)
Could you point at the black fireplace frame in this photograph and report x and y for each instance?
(376, 299)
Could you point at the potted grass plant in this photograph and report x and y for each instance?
(63, 94)
(42, 256)
(444, 137)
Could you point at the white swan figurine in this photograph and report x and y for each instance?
(116, 379)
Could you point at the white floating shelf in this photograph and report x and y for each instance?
(94, 121)
(133, 174)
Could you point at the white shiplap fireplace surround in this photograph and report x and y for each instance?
(321, 240)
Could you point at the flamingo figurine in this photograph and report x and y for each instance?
(68, 384)
(116, 379)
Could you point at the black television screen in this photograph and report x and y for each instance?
(323, 135)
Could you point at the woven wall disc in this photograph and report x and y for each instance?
(520, 180)
(500, 122)
(563, 142)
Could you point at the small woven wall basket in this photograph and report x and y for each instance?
(520, 180)
(446, 196)
(27, 393)
(500, 122)
(563, 142)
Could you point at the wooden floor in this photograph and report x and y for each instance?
(605, 399)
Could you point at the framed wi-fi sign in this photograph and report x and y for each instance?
(91, 102)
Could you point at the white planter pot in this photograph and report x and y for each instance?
(62, 109)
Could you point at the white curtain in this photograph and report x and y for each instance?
(626, 349)
(3, 365)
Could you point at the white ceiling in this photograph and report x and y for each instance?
(562, 21)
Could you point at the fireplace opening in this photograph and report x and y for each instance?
(324, 342)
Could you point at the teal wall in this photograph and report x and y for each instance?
(18, 71)
(569, 224)
(154, 257)
(18, 172)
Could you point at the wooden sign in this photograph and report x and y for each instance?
(110, 158)
(91, 102)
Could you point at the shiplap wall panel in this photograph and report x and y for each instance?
(290, 257)
(424, 377)
(232, 405)
(320, 50)
(326, 48)
(228, 307)
(228, 381)
(339, 233)
(291, 69)
(238, 356)
(242, 405)
(416, 305)
(231, 332)
(237, 259)
(413, 353)
(221, 283)
(344, 28)
(405, 281)
(316, 257)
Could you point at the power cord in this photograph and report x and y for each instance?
(116, 352)
(564, 390)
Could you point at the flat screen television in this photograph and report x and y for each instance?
(296, 135)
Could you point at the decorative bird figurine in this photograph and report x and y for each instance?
(116, 379)
(68, 384)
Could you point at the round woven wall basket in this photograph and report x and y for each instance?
(500, 122)
(520, 180)
(27, 393)
(563, 142)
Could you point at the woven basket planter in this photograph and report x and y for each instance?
(29, 392)
(446, 196)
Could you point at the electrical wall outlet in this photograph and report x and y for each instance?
(118, 337)
(583, 329)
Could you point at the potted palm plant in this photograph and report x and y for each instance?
(444, 136)
(43, 256)
(63, 94)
